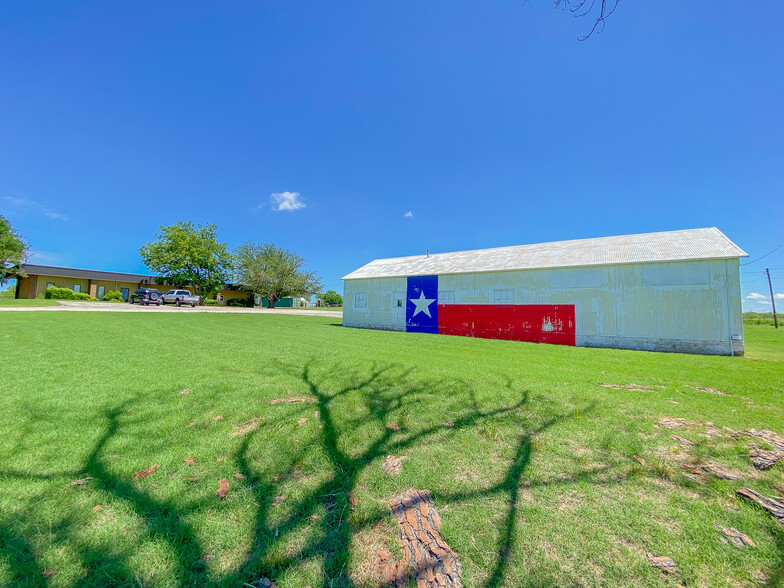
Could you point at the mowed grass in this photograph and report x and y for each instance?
(27, 302)
(530, 459)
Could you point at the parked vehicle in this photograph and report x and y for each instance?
(145, 296)
(180, 297)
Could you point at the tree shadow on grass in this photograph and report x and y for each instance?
(19, 555)
(384, 392)
(334, 495)
(163, 518)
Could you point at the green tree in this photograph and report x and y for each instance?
(272, 272)
(332, 298)
(187, 255)
(13, 252)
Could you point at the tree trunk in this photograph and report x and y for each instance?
(272, 302)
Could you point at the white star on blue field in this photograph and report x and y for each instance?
(422, 304)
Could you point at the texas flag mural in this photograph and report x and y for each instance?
(537, 323)
(422, 304)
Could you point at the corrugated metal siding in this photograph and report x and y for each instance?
(691, 244)
(381, 313)
(611, 307)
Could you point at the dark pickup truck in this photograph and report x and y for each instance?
(145, 296)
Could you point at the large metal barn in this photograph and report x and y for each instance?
(670, 291)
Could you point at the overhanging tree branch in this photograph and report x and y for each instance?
(583, 8)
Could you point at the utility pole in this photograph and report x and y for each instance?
(772, 299)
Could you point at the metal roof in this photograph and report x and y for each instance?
(83, 274)
(685, 245)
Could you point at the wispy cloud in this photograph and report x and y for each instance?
(756, 302)
(42, 257)
(290, 201)
(779, 296)
(409, 214)
(37, 206)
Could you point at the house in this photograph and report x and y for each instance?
(96, 283)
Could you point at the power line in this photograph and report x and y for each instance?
(763, 257)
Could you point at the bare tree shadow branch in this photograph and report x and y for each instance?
(324, 511)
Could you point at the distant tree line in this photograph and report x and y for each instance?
(187, 255)
(331, 298)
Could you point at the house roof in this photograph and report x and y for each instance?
(83, 274)
(685, 245)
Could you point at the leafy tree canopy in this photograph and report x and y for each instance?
(13, 252)
(272, 272)
(332, 298)
(185, 255)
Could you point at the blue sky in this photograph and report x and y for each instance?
(389, 128)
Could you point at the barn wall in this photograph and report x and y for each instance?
(382, 311)
(692, 306)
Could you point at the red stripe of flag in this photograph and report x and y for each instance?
(537, 323)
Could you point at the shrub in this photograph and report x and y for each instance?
(55, 293)
(112, 296)
(210, 302)
(245, 302)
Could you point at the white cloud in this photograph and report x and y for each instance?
(779, 296)
(32, 204)
(756, 296)
(409, 214)
(286, 201)
(41, 257)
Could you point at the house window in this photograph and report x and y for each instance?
(124, 293)
(101, 292)
(49, 285)
(399, 303)
(360, 300)
(77, 288)
(503, 297)
(446, 297)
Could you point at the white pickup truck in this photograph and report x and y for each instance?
(179, 297)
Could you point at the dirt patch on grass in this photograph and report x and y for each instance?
(247, 426)
(710, 390)
(465, 474)
(372, 548)
(526, 495)
(674, 423)
(291, 400)
(569, 500)
(632, 387)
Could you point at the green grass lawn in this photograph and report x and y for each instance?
(27, 302)
(530, 459)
